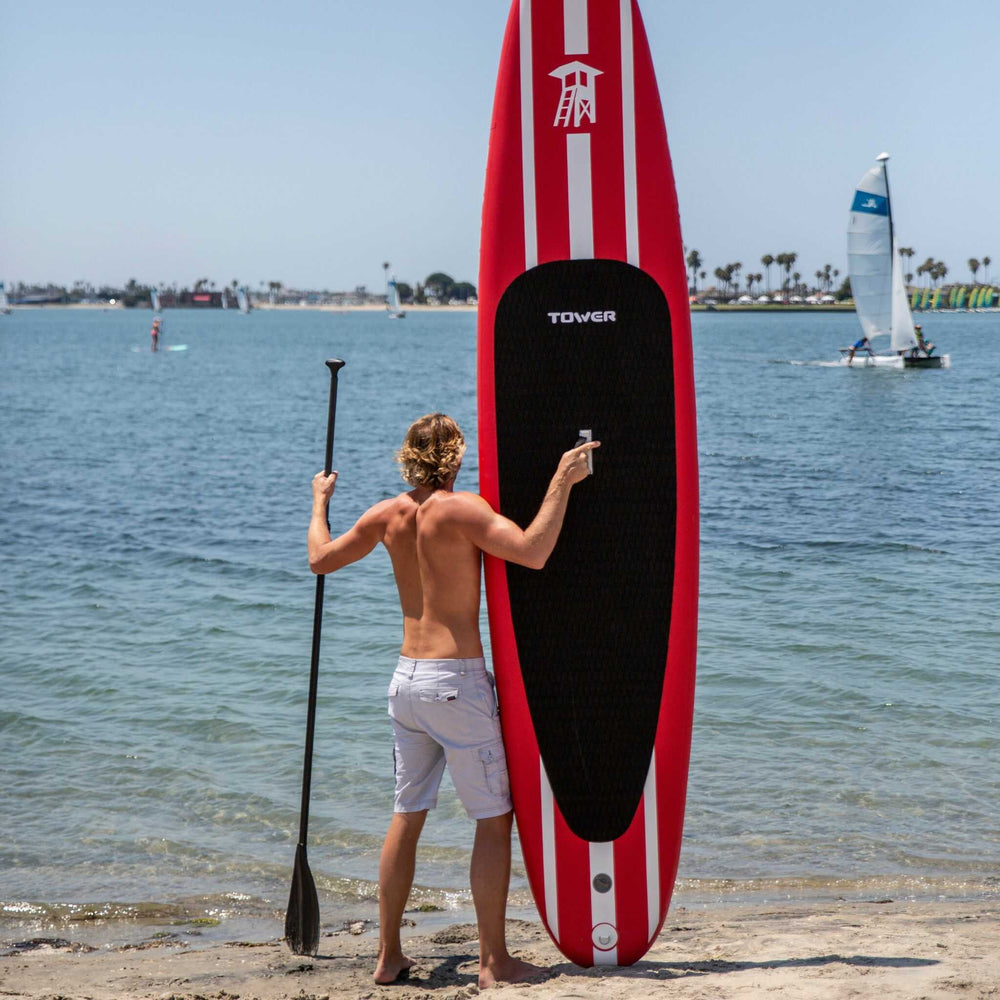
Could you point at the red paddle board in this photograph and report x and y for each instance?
(584, 328)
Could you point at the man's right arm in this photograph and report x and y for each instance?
(499, 536)
(328, 554)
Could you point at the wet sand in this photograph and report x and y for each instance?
(825, 951)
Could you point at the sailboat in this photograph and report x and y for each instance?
(876, 273)
(4, 304)
(392, 296)
(154, 300)
(243, 300)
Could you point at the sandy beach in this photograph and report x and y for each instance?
(905, 950)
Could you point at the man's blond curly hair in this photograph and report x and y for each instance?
(432, 451)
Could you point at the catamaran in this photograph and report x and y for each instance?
(876, 273)
(392, 296)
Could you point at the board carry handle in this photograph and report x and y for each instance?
(585, 436)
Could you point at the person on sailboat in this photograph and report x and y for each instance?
(864, 344)
(155, 333)
(924, 347)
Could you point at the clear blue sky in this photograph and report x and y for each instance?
(307, 142)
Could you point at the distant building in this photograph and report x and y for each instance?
(200, 300)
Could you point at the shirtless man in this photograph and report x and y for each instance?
(441, 697)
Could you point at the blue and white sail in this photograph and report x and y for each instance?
(874, 265)
(4, 303)
(154, 300)
(243, 300)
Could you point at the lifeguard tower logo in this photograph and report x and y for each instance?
(577, 103)
(596, 316)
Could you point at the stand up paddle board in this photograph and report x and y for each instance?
(584, 330)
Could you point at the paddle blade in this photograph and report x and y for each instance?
(302, 917)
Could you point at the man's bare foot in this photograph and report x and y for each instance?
(389, 970)
(512, 970)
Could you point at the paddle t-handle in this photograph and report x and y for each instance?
(302, 921)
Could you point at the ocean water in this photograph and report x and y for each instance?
(156, 611)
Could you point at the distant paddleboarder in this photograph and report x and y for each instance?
(155, 333)
(441, 698)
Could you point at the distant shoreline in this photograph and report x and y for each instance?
(839, 307)
(263, 307)
(773, 307)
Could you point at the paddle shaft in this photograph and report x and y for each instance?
(334, 365)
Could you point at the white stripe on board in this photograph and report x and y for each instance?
(575, 37)
(581, 196)
(652, 848)
(602, 904)
(628, 136)
(549, 852)
(528, 141)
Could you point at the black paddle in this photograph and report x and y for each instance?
(302, 917)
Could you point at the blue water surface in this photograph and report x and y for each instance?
(156, 604)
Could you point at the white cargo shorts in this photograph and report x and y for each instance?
(445, 712)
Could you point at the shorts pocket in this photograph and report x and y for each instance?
(441, 696)
(494, 761)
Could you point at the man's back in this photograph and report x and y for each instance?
(437, 571)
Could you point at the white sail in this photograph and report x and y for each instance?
(154, 299)
(904, 336)
(392, 296)
(225, 299)
(243, 300)
(870, 252)
(4, 304)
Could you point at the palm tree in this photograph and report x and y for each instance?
(986, 268)
(974, 268)
(779, 259)
(908, 253)
(751, 278)
(786, 260)
(767, 260)
(796, 278)
(790, 259)
(694, 262)
(926, 267)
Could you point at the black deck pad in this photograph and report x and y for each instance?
(586, 345)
